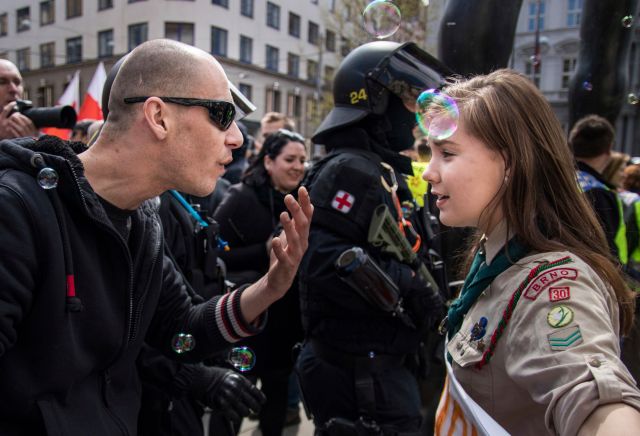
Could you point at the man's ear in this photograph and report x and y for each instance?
(157, 117)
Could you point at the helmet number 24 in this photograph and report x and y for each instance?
(356, 96)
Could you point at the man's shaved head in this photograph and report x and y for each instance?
(160, 67)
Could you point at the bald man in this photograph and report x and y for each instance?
(12, 124)
(85, 278)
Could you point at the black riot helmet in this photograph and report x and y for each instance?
(243, 105)
(371, 73)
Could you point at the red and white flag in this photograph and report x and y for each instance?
(91, 107)
(70, 97)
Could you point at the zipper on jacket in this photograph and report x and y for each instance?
(133, 331)
(126, 250)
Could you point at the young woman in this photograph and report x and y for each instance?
(534, 336)
(248, 215)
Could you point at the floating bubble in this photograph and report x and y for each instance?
(242, 358)
(627, 21)
(587, 86)
(183, 342)
(47, 178)
(535, 60)
(425, 2)
(451, 23)
(633, 98)
(437, 114)
(381, 18)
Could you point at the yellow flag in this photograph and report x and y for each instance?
(417, 185)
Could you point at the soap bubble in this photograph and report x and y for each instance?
(183, 342)
(587, 86)
(47, 178)
(627, 21)
(437, 114)
(381, 18)
(242, 358)
(633, 98)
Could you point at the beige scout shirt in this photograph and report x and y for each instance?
(558, 358)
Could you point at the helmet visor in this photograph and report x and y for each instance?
(408, 71)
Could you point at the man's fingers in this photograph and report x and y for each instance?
(7, 109)
(305, 202)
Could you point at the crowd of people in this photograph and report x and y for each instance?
(135, 256)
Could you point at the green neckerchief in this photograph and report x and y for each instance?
(479, 277)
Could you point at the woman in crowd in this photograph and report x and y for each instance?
(248, 216)
(534, 337)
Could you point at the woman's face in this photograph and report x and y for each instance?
(287, 169)
(465, 176)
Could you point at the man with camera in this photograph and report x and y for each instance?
(12, 124)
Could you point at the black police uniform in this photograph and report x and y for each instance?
(353, 367)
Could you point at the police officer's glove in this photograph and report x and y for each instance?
(223, 390)
(425, 306)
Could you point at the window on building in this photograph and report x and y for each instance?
(246, 49)
(345, 46)
(568, 67)
(23, 19)
(105, 4)
(330, 41)
(246, 90)
(294, 24)
(246, 8)
(328, 75)
(47, 54)
(182, 32)
(533, 14)
(272, 100)
(312, 71)
(4, 55)
(273, 15)
(23, 59)
(294, 104)
(574, 9)
(74, 50)
(47, 12)
(45, 96)
(314, 33)
(293, 65)
(223, 3)
(74, 8)
(332, 5)
(533, 73)
(4, 24)
(136, 1)
(105, 43)
(138, 33)
(272, 58)
(315, 2)
(219, 41)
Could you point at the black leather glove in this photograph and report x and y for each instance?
(231, 393)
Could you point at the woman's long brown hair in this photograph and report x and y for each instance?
(541, 201)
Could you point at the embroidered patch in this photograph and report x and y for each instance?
(560, 316)
(343, 201)
(559, 293)
(547, 278)
(565, 338)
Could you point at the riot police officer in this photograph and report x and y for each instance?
(361, 331)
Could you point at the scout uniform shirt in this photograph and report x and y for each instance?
(556, 360)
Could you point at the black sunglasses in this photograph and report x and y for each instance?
(293, 136)
(221, 112)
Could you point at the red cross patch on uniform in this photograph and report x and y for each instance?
(343, 201)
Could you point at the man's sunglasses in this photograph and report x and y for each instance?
(221, 112)
(288, 134)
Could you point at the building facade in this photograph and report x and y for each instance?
(559, 42)
(278, 53)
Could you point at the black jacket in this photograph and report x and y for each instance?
(71, 371)
(345, 188)
(605, 204)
